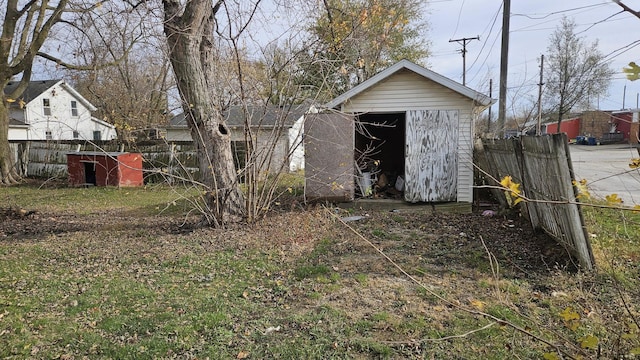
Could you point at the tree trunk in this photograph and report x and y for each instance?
(190, 37)
(8, 173)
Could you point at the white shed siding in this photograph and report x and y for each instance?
(407, 90)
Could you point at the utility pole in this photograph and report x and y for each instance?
(539, 127)
(490, 95)
(463, 42)
(504, 54)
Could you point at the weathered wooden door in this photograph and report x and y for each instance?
(431, 157)
(328, 155)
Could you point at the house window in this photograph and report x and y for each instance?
(97, 135)
(46, 106)
(239, 150)
(76, 134)
(47, 135)
(74, 108)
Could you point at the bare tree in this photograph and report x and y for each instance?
(26, 26)
(190, 30)
(576, 71)
(132, 95)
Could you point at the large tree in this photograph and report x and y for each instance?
(26, 27)
(576, 71)
(351, 40)
(190, 29)
(24, 30)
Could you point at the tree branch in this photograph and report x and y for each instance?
(628, 9)
(85, 67)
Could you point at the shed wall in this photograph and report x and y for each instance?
(407, 90)
(110, 170)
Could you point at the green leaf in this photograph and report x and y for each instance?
(569, 314)
(550, 356)
(633, 71)
(589, 342)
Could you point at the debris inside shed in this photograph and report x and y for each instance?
(379, 155)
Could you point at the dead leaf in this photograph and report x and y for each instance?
(242, 355)
(477, 304)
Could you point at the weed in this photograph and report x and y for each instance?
(310, 271)
(361, 278)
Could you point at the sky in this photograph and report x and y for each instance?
(531, 24)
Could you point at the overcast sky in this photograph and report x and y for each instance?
(531, 24)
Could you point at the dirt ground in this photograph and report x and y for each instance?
(446, 240)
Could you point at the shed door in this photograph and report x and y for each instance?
(431, 157)
(328, 156)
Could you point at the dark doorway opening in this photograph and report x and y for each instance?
(90, 173)
(379, 155)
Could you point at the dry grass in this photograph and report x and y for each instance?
(116, 280)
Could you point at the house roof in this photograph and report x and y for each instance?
(426, 73)
(34, 89)
(17, 123)
(37, 87)
(263, 116)
(102, 122)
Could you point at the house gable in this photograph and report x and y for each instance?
(407, 90)
(53, 110)
(478, 99)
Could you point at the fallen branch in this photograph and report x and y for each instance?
(495, 319)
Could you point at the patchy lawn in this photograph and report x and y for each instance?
(109, 273)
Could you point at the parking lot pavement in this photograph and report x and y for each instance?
(606, 169)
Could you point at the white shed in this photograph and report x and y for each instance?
(407, 128)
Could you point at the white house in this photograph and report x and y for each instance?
(53, 110)
(276, 130)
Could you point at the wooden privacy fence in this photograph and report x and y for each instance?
(542, 165)
(162, 162)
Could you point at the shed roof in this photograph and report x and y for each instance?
(480, 98)
(98, 153)
(17, 123)
(264, 116)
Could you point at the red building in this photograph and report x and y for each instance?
(626, 122)
(605, 126)
(105, 169)
(569, 126)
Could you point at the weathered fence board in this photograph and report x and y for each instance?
(162, 162)
(542, 165)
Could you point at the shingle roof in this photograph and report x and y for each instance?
(34, 89)
(16, 122)
(262, 116)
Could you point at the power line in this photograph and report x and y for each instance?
(458, 21)
(599, 22)
(527, 28)
(495, 18)
(558, 12)
(464, 55)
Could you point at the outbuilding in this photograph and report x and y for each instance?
(406, 133)
(122, 169)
